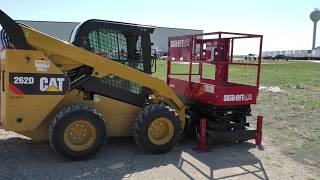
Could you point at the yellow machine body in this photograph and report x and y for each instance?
(31, 115)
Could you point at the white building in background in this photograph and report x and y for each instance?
(62, 30)
(161, 34)
(293, 54)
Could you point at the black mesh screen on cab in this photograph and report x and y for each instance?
(122, 47)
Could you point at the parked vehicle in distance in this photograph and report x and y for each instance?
(280, 57)
(163, 57)
(267, 57)
(251, 57)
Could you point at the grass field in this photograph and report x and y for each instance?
(291, 118)
(283, 74)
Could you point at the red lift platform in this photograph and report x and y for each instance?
(223, 103)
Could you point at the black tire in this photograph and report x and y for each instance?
(144, 120)
(66, 117)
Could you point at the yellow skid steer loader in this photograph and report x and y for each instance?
(76, 94)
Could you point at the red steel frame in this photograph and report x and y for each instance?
(218, 92)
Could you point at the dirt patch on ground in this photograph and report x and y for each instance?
(292, 122)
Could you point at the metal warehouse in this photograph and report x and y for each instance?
(63, 30)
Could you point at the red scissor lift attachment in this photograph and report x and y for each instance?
(225, 104)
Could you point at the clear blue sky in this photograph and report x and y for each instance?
(285, 24)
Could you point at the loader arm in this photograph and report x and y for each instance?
(56, 50)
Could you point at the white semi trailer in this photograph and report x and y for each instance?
(292, 54)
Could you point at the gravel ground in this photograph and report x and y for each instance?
(21, 158)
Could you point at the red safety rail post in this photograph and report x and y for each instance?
(202, 147)
(259, 131)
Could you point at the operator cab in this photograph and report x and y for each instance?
(125, 43)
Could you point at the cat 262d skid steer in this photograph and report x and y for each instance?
(100, 85)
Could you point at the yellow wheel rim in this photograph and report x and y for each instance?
(79, 135)
(160, 131)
